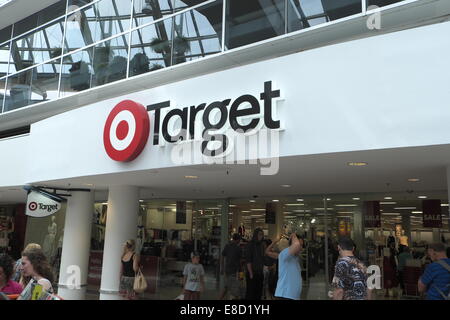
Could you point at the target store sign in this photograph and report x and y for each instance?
(38, 205)
(127, 127)
(126, 131)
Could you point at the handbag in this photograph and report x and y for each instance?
(140, 284)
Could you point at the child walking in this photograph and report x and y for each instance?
(193, 280)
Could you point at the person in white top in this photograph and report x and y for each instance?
(36, 266)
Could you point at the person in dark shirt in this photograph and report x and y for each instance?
(435, 281)
(255, 266)
(230, 262)
(350, 277)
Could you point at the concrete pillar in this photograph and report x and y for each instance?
(276, 229)
(121, 225)
(252, 225)
(436, 235)
(73, 271)
(406, 225)
(236, 219)
(358, 232)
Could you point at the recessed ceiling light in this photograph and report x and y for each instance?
(328, 199)
(286, 185)
(275, 200)
(357, 164)
(384, 202)
(294, 204)
(299, 199)
(232, 205)
(422, 197)
(355, 198)
(252, 200)
(387, 198)
(346, 205)
(416, 212)
(141, 200)
(191, 177)
(246, 211)
(313, 220)
(444, 204)
(405, 208)
(258, 209)
(413, 180)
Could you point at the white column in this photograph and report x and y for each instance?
(121, 225)
(76, 246)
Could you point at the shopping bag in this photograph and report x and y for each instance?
(140, 284)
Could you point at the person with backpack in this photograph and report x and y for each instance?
(435, 281)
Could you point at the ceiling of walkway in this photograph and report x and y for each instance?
(386, 171)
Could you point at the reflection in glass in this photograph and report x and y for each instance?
(381, 3)
(110, 61)
(339, 9)
(4, 58)
(77, 72)
(2, 92)
(38, 19)
(32, 86)
(304, 14)
(97, 22)
(5, 34)
(146, 11)
(151, 48)
(37, 47)
(253, 20)
(184, 4)
(194, 34)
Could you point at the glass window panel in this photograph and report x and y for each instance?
(33, 86)
(307, 13)
(5, 34)
(79, 3)
(184, 4)
(110, 61)
(381, 3)
(253, 20)
(146, 11)
(197, 33)
(48, 14)
(2, 92)
(37, 47)
(79, 29)
(151, 48)
(4, 58)
(77, 72)
(97, 22)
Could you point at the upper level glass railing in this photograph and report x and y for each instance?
(82, 44)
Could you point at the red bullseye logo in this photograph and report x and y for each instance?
(126, 131)
(32, 206)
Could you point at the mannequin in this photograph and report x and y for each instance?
(49, 241)
(241, 230)
(390, 239)
(404, 239)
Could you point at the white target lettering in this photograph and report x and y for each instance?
(117, 143)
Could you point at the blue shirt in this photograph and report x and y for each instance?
(289, 283)
(436, 275)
